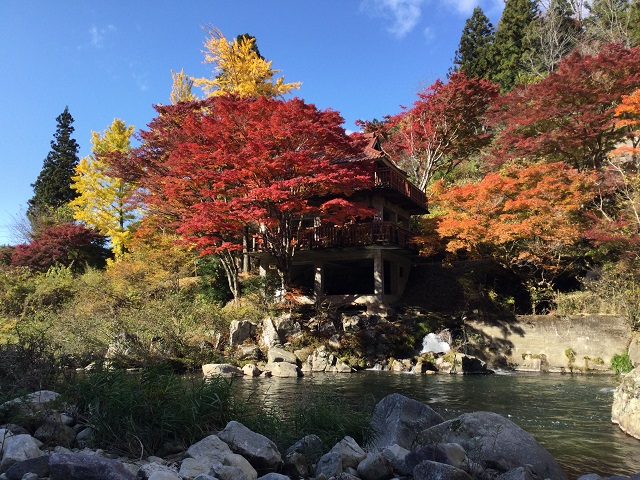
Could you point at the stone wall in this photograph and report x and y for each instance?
(551, 343)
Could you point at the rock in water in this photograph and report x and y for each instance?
(397, 420)
(625, 410)
(494, 441)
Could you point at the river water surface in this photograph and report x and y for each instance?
(570, 415)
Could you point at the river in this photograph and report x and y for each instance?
(570, 415)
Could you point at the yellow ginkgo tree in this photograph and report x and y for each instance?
(240, 68)
(104, 201)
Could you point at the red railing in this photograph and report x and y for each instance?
(387, 178)
(352, 235)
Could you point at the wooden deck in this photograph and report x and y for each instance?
(388, 178)
(353, 235)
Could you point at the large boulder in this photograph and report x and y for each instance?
(261, 452)
(625, 410)
(221, 370)
(38, 465)
(212, 451)
(16, 448)
(430, 470)
(283, 369)
(241, 330)
(80, 466)
(397, 420)
(495, 442)
(276, 355)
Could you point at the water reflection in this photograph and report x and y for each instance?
(569, 414)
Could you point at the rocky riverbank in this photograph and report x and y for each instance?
(411, 441)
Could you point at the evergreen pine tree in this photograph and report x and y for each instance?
(475, 52)
(510, 45)
(52, 189)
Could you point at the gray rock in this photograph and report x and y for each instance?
(251, 370)
(396, 456)
(205, 477)
(32, 402)
(274, 476)
(55, 433)
(283, 370)
(165, 475)
(520, 473)
(248, 352)
(80, 466)
(269, 337)
(625, 410)
(429, 470)
(344, 455)
(221, 370)
(329, 465)
(590, 476)
(241, 330)
(38, 465)
(397, 419)
(276, 354)
(491, 439)
(16, 448)
(226, 472)
(85, 437)
(375, 467)
(211, 451)
(191, 468)
(300, 456)
(261, 452)
(156, 471)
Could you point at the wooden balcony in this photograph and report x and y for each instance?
(353, 235)
(388, 178)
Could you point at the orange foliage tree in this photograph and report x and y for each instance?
(526, 218)
(617, 213)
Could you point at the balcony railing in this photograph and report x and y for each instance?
(352, 235)
(388, 178)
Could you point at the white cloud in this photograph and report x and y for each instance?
(404, 14)
(98, 35)
(464, 6)
(429, 34)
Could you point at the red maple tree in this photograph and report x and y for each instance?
(216, 168)
(68, 244)
(568, 116)
(443, 128)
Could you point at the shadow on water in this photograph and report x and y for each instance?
(569, 414)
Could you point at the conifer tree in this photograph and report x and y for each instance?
(634, 23)
(510, 45)
(475, 52)
(52, 189)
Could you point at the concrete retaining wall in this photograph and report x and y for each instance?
(551, 343)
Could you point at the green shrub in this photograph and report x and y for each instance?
(16, 283)
(139, 414)
(621, 363)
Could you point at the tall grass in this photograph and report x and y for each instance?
(140, 414)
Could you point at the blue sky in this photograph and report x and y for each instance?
(106, 60)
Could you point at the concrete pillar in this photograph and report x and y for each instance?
(378, 274)
(318, 280)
